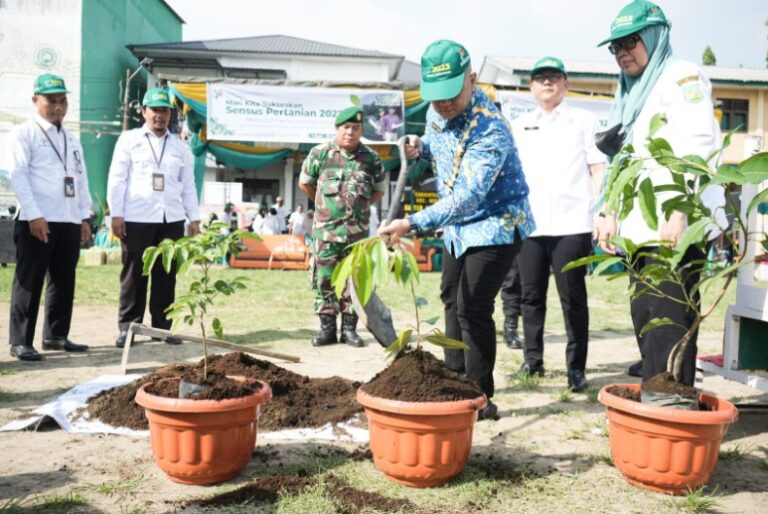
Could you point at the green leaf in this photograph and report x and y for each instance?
(341, 274)
(759, 198)
(355, 100)
(364, 279)
(400, 343)
(168, 254)
(693, 234)
(584, 261)
(604, 265)
(414, 266)
(440, 339)
(657, 122)
(656, 323)
(432, 321)
(381, 261)
(728, 174)
(626, 244)
(647, 200)
(420, 301)
(218, 328)
(149, 257)
(755, 169)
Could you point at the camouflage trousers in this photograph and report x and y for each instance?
(326, 256)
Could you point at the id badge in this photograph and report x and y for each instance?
(69, 187)
(158, 182)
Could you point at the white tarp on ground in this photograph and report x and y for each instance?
(69, 412)
(283, 114)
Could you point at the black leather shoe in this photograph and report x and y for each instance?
(527, 369)
(172, 340)
(25, 353)
(62, 343)
(511, 339)
(490, 411)
(636, 369)
(122, 337)
(577, 381)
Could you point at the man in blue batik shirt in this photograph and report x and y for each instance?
(483, 206)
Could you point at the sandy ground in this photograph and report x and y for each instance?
(535, 426)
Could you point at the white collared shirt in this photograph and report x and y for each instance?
(684, 94)
(37, 174)
(556, 150)
(130, 191)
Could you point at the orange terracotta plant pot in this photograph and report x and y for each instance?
(420, 444)
(203, 441)
(666, 450)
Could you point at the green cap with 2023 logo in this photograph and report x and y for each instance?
(443, 66)
(157, 97)
(634, 17)
(49, 84)
(548, 63)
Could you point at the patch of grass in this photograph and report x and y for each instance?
(6, 372)
(526, 381)
(604, 458)
(738, 452)
(54, 504)
(312, 501)
(565, 395)
(763, 464)
(6, 396)
(697, 501)
(120, 487)
(592, 393)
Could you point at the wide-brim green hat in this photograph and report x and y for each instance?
(443, 67)
(352, 114)
(548, 63)
(157, 97)
(635, 17)
(49, 84)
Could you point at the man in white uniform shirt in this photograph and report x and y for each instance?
(282, 215)
(296, 221)
(49, 178)
(564, 170)
(151, 191)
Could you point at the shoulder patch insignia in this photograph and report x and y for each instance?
(689, 78)
(692, 93)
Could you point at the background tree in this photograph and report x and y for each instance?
(708, 57)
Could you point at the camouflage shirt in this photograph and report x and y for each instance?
(345, 183)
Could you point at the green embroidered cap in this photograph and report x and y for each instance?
(634, 17)
(443, 67)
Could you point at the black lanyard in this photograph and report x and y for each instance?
(158, 162)
(64, 159)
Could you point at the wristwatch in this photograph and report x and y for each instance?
(413, 226)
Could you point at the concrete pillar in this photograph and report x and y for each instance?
(288, 184)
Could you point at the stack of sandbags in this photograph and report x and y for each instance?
(114, 256)
(95, 256)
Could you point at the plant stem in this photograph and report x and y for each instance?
(205, 347)
(418, 321)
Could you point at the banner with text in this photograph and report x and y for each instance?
(515, 103)
(299, 114)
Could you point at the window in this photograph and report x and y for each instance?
(735, 114)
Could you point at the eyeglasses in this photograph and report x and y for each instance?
(627, 44)
(543, 77)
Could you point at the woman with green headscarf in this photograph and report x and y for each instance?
(651, 81)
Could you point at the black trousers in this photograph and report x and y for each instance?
(468, 288)
(512, 296)
(133, 285)
(536, 257)
(56, 259)
(656, 344)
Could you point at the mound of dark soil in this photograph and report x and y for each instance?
(270, 488)
(626, 393)
(217, 387)
(297, 400)
(419, 376)
(666, 383)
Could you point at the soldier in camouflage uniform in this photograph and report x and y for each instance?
(344, 177)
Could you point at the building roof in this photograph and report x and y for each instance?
(595, 69)
(275, 44)
(409, 73)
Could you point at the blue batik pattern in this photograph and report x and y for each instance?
(482, 191)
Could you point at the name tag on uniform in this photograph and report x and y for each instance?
(69, 187)
(531, 128)
(158, 182)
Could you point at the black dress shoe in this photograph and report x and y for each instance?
(527, 369)
(490, 411)
(636, 369)
(577, 381)
(172, 340)
(513, 341)
(25, 353)
(121, 339)
(62, 343)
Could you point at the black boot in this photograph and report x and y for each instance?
(349, 331)
(327, 334)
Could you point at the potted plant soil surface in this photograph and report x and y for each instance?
(207, 437)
